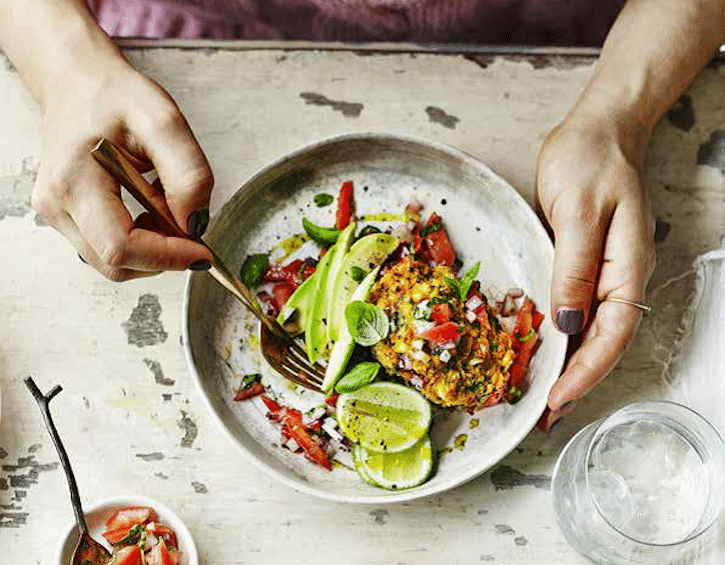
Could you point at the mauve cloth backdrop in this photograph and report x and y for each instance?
(494, 22)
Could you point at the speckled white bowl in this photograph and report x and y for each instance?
(487, 220)
(100, 511)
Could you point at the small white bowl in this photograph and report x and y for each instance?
(100, 511)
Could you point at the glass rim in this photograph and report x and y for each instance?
(599, 433)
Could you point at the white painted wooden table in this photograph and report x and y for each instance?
(130, 414)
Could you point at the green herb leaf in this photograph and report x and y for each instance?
(360, 375)
(357, 273)
(454, 284)
(249, 380)
(323, 236)
(430, 229)
(367, 323)
(323, 199)
(529, 335)
(133, 534)
(467, 279)
(253, 268)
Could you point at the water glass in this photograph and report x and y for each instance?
(640, 486)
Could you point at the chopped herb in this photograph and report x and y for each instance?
(357, 273)
(368, 230)
(513, 395)
(529, 335)
(367, 323)
(253, 269)
(323, 199)
(474, 386)
(459, 442)
(360, 375)
(444, 451)
(133, 534)
(430, 229)
(249, 380)
(473, 424)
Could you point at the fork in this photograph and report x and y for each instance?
(280, 350)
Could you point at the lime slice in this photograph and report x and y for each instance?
(395, 471)
(384, 417)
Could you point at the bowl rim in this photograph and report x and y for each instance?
(403, 495)
(122, 500)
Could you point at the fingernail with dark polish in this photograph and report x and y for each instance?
(568, 407)
(82, 259)
(555, 425)
(200, 265)
(570, 321)
(197, 223)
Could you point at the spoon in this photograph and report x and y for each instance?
(87, 551)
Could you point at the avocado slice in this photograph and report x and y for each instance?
(345, 344)
(340, 251)
(293, 316)
(367, 253)
(316, 323)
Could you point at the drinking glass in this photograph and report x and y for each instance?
(640, 486)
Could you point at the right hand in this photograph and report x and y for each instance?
(74, 194)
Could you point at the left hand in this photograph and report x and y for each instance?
(590, 187)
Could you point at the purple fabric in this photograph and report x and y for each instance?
(529, 22)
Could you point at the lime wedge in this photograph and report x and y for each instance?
(384, 417)
(395, 471)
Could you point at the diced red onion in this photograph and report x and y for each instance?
(446, 356)
(417, 382)
(471, 316)
(448, 344)
(403, 233)
(515, 292)
(473, 302)
(406, 363)
(421, 327)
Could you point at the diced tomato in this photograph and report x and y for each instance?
(441, 313)
(417, 240)
(494, 398)
(441, 334)
(280, 295)
(129, 516)
(312, 449)
(129, 555)
(308, 271)
(256, 389)
(475, 290)
(271, 405)
(482, 316)
(168, 535)
(159, 555)
(114, 536)
(345, 205)
(290, 273)
(536, 319)
(332, 399)
(438, 244)
(524, 329)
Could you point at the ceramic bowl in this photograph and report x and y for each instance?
(487, 220)
(100, 511)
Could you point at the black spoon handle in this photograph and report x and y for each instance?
(44, 405)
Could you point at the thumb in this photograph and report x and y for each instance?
(577, 259)
(183, 169)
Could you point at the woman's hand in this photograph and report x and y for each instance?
(590, 187)
(103, 96)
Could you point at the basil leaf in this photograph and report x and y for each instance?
(253, 268)
(360, 375)
(323, 236)
(467, 280)
(454, 284)
(367, 323)
(357, 273)
(323, 199)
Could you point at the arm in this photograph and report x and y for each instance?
(86, 89)
(590, 184)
